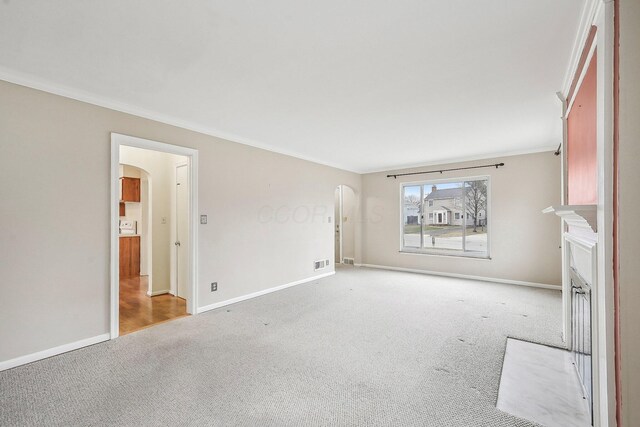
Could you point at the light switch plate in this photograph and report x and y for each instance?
(203, 219)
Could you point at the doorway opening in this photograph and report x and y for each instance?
(153, 235)
(344, 231)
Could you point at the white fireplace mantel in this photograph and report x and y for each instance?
(579, 216)
(580, 256)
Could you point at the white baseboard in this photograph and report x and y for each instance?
(260, 293)
(23, 360)
(154, 293)
(464, 276)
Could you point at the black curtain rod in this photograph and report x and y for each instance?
(495, 165)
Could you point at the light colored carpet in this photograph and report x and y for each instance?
(540, 383)
(363, 347)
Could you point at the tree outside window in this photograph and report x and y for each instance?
(446, 217)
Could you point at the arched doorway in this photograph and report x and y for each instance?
(344, 230)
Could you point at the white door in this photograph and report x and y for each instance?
(182, 231)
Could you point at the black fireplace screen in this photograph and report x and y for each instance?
(581, 332)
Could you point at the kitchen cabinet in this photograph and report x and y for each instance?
(129, 256)
(129, 189)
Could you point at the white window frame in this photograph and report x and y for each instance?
(444, 252)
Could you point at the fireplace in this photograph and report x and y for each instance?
(580, 296)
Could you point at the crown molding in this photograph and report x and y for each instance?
(455, 160)
(37, 83)
(45, 85)
(587, 19)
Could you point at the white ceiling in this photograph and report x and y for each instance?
(363, 85)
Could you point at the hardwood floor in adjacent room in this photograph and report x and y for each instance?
(139, 311)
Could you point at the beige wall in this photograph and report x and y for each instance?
(524, 242)
(629, 208)
(268, 216)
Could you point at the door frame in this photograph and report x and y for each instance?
(118, 140)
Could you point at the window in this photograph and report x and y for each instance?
(456, 225)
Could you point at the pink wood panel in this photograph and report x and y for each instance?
(582, 178)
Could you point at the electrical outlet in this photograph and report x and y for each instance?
(203, 219)
(214, 286)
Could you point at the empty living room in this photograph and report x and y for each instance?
(338, 213)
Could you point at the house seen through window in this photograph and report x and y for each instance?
(446, 217)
